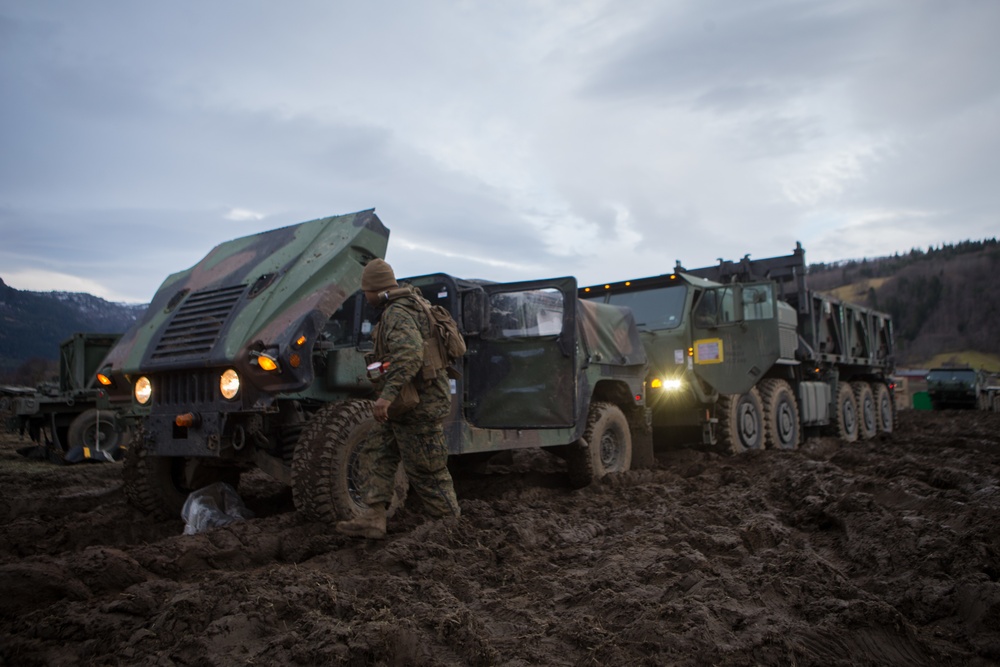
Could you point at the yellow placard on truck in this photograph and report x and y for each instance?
(708, 351)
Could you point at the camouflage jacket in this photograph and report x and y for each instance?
(399, 339)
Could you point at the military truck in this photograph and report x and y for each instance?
(953, 387)
(65, 418)
(743, 355)
(255, 358)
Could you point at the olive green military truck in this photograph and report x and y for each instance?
(255, 357)
(952, 387)
(744, 355)
(65, 418)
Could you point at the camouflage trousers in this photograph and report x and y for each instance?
(422, 449)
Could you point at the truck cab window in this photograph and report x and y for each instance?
(706, 312)
(716, 306)
(340, 328)
(526, 314)
(758, 302)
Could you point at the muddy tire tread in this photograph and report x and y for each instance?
(730, 441)
(867, 410)
(775, 394)
(583, 463)
(321, 463)
(841, 426)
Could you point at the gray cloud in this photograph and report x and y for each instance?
(601, 139)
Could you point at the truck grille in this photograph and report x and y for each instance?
(187, 388)
(195, 327)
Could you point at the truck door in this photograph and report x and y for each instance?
(522, 370)
(734, 335)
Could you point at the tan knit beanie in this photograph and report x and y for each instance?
(377, 276)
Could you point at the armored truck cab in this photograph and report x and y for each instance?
(748, 356)
(951, 387)
(255, 357)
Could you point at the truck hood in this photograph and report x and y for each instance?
(255, 293)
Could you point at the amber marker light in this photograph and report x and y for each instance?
(656, 383)
(690, 351)
(294, 360)
(104, 379)
(187, 419)
(300, 341)
(586, 289)
(267, 363)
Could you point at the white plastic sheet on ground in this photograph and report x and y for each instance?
(212, 506)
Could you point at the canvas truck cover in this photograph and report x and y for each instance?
(255, 294)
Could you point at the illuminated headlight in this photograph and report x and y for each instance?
(143, 390)
(229, 384)
(666, 384)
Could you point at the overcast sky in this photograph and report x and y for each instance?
(504, 140)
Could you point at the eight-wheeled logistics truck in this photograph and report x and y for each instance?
(744, 355)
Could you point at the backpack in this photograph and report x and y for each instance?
(446, 344)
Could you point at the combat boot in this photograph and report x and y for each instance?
(370, 523)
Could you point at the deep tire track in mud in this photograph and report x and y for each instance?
(882, 552)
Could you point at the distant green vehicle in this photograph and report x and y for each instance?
(742, 355)
(65, 418)
(255, 357)
(954, 388)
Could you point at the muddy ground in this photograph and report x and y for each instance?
(880, 553)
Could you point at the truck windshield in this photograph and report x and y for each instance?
(654, 309)
(952, 375)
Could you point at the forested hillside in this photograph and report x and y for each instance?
(942, 300)
(33, 324)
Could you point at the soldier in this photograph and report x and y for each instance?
(411, 433)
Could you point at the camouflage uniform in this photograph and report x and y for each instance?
(415, 437)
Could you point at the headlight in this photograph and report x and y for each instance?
(666, 384)
(143, 390)
(229, 384)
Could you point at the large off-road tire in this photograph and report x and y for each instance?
(867, 410)
(159, 485)
(327, 483)
(606, 447)
(741, 422)
(844, 423)
(95, 430)
(885, 408)
(781, 415)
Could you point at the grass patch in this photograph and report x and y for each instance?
(856, 292)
